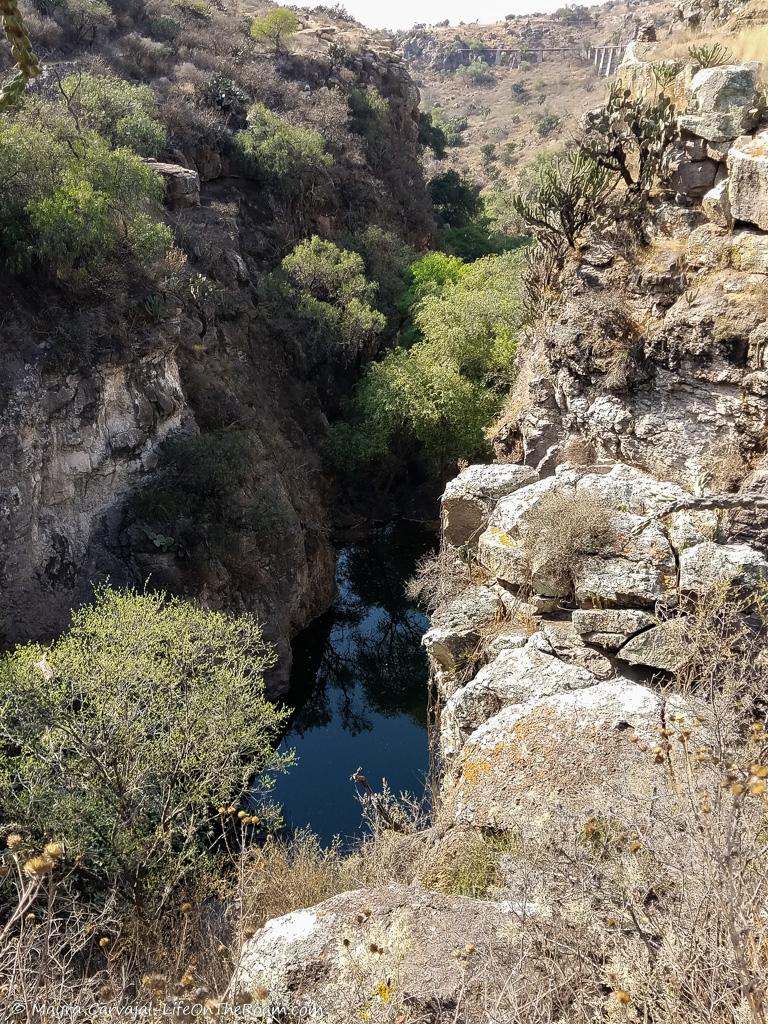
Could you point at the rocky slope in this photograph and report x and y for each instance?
(106, 398)
(581, 678)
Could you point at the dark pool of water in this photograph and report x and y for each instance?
(359, 688)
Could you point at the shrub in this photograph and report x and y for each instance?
(387, 260)
(559, 530)
(84, 19)
(222, 93)
(520, 92)
(275, 28)
(330, 292)
(451, 127)
(162, 27)
(431, 135)
(629, 136)
(290, 155)
(195, 8)
(79, 210)
(366, 109)
(477, 72)
(122, 737)
(442, 391)
(430, 274)
(123, 113)
(455, 198)
(547, 124)
(565, 198)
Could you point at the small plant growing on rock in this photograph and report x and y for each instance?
(566, 198)
(710, 56)
(629, 133)
(559, 530)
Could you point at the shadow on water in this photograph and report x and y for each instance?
(359, 688)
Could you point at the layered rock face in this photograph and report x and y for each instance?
(654, 353)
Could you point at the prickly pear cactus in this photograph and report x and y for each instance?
(27, 65)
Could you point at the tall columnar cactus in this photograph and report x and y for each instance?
(27, 65)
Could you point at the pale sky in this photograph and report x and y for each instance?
(404, 13)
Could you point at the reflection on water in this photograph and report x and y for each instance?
(359, 687)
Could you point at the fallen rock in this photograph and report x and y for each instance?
(469, 498)
(748, 181)
(706, 564)
(455, 630)
(182, 185)
(661, 647)
(370, 952)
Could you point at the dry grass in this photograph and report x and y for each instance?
(441, 577)
(744, 44)
(558, 531)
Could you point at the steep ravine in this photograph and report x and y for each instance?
(92, 396)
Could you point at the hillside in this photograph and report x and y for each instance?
(102, 364)
(248, 301)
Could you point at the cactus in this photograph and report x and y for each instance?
(27, 65)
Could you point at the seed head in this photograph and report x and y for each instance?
(54, 850)
(14, 841)
(104, 942)
(37, 867)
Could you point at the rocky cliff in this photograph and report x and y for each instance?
(607, 621)
(112, 403)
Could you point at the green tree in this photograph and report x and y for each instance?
(122, 738)
(124, 113)
(70, 203)
(329, 291)
(291, 156)
(432, 135)
(275, 27)
(443, 391)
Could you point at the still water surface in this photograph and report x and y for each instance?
(359, 688)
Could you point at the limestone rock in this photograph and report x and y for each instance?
(569, 753)
(661, 647)
(385, 947)
(748, 181)
(469, 498)
(716, 205)
(706, 564)
(182, 186)
(516, 676)
(722, 102)
(455, 630)
(638, 568)
(610, 628)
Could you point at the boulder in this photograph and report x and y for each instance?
(716, 205)
(706, 564)
(637, 568)
(715, 247)
(661, 647)
(371, 953)
(577, 754)
(515, 676)
(722, 102)
(691, 177)
(455, 630)
(748, 181)
(182, 185)
(469, 498)
(610, 628)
